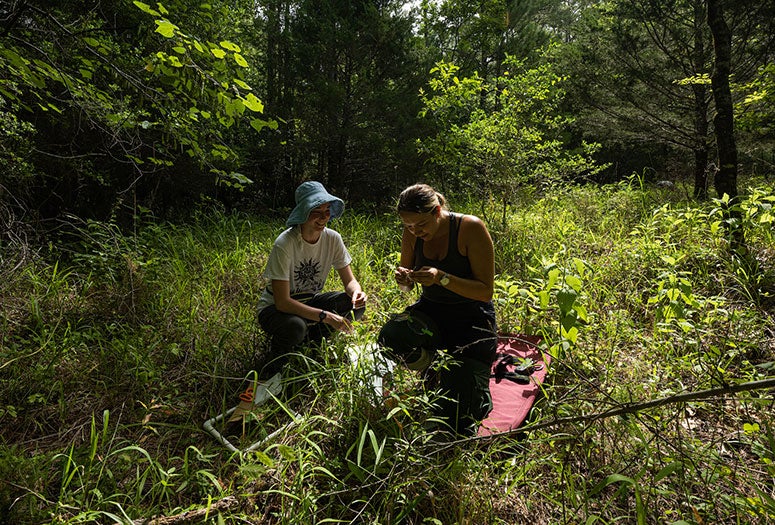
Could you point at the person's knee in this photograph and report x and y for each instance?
(292, 332)
(400, 343)
(343, 306)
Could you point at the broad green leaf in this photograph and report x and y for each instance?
(243, 84)
(166, 28)
(574, 282)
(231, 46)
(146, 8)
(264, 458)
(253, 103)
(668, 260)
(286, 452)
(581, 313)
(565, 300)
(239, 178)
(554, 274)
(240, 60)
(543, 299)
(218, 53)
(580, 266)
(571, 334)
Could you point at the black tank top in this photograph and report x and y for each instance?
(454, 264)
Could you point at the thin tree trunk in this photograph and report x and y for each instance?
(726, 177)
(701, 103)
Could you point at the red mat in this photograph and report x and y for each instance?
(511, 401)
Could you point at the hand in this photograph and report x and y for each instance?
(338, 322)
(403, 277)
(359, 299)
(426, 276)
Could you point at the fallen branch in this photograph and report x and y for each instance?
(190, 515)
(631, 408)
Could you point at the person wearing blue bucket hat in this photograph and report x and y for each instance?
(293, 307)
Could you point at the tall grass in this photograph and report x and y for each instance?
(115, 348)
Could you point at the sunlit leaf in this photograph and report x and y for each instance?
(166, 28)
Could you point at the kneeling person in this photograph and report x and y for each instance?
(452, 257)
(293, 307)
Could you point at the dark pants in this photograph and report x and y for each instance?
(287, 331)
(468, 332)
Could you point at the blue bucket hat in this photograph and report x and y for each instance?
(310, 195)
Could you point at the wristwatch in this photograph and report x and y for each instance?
(444, 281)
(322, 316)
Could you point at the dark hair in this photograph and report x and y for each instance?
(420, 198)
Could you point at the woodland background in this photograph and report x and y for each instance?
(621, 153)
(113, 107)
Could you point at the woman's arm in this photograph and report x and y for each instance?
(406, 263)
(352, 287)
(281, 291)
(478, 246)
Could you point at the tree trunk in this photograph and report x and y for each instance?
(701, 105)
(726, 177)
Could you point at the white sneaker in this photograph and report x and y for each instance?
(266, 390)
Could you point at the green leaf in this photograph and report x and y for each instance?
(166, 28)
(574, 282)
(286, 452)
(240, 60)
(258, 124)
(242, 84)
(231, 46)
(253, 103)
(668, 470)
(554, 274)
(146, 8)
(565, 300)
(613, 478)
(218, 53)
(264, 458)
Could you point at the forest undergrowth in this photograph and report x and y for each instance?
(116, 346)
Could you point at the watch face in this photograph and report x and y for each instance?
(444, 280)
(322, 315)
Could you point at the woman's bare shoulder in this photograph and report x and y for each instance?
(472, 223)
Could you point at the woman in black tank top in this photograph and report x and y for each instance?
(451, 257)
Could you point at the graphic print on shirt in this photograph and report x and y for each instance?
(306, 275)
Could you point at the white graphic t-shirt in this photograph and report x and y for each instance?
(305, 266)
